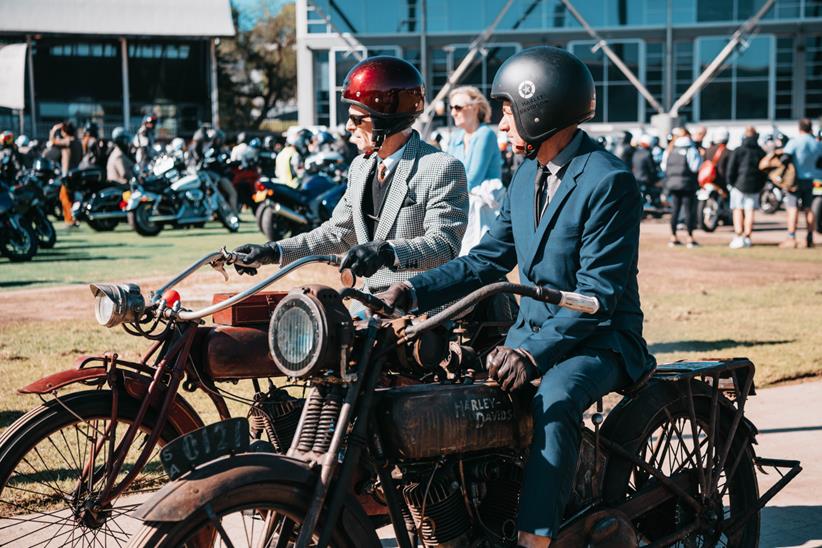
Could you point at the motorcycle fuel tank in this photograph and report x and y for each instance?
(425, 421)
(189, 182)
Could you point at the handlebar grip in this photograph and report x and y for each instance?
(580, 303)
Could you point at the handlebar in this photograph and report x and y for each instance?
(565, 299)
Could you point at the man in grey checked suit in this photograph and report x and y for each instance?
(404, 210)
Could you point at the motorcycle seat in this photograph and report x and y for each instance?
(632, 389)
(293, 195)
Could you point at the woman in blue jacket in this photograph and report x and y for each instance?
(474, 143)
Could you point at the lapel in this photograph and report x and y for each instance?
(399, 188)
(568, 184)
(357, 181)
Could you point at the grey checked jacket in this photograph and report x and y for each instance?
(424, 215)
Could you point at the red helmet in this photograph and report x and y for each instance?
(6, 139)
(390, 89)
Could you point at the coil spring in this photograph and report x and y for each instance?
(328, 421)
(445, 516)
(313, 411)
(278, 419)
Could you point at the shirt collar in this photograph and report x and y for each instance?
(565, 155)
(391, 161)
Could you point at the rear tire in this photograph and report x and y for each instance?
(710, 221)
(274, 226)
(658, 412)
(138, 220)
(44, 229)
(103, 225)
(769, 204)
(241, 511)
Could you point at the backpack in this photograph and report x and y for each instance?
(707, 171)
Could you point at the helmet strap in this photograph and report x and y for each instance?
(531, 150)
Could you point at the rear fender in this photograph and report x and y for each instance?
(182, 416)
(181, 499)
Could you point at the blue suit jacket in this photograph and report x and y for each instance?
(587, 242)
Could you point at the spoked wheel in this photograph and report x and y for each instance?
(672, 443)
(264, 514)
(42, 457)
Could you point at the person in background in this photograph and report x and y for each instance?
(804, 151)
(625, 148)
(290, 159)
(144, 141)
(95, 149)
(63, 136)
(27, 150)
(746, 181)
(643, 166)
(120, 166)
(719, 154)
(681, 163)
(239, 151)
(474, 144)
(698, 137)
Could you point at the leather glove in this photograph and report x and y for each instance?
(512, 369)
(254, 256)
(397, 295)
(365, 259)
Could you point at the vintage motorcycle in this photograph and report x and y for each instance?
(171, 195)
(18, 241)
(75, 467)
(400, 427)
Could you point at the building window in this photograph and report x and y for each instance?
(784, 78)
(742, 88)
(813, 80)
(158, 51)
(322, 88)
(82, 49)
(617, 99)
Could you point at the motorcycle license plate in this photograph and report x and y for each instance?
(260, 196)
(203, 445)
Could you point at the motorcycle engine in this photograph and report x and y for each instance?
(438, 502)
(276, 414)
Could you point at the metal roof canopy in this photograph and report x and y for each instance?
(177, 18)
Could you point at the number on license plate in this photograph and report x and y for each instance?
(204, 444)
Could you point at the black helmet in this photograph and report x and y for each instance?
(549, 90)
(91, 129)
(120, 137)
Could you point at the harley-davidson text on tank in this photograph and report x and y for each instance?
(483, 410)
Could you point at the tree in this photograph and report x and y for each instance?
(257, 69)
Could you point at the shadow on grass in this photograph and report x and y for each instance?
(709, 346)
(23, 283)
(80, 245)
(8, 417)
(72, 258)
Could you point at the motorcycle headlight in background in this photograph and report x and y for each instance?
(307, 330)
(117, 303)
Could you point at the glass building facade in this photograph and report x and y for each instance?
(776, 74)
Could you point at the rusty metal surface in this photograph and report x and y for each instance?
(427, 421)
(254, 311)
(62, 379)
(181, 414)
(238, 353)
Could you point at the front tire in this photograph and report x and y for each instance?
(41, 458)
(19, 244)
(274, 226)
(229, 218)
(103, 225)
(708, 214)
(769, 203)
(44, 229)
(138, 219)
(244, 515)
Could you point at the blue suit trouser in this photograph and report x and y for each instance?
(565, 392)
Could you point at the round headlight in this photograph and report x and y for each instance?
(117, 304)
(297, 334)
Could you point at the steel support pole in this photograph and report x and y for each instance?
(215, 99)
(126, 98)
(423, 7)
(729, 48)
(669, 56)
(603, 45)
(32, 104)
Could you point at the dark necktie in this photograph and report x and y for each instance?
(541, 193)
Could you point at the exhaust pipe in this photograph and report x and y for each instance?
(106, 215)
(290, 214)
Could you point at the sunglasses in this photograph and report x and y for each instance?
(458, 108)
(357, 120)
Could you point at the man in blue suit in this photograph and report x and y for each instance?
(570, 222)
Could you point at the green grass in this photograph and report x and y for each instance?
(83, 256)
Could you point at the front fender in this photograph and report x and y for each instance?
(181, 414)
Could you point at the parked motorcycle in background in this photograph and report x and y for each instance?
(96, 201)
(285, 211)
(713, 207)
(18, 241)
(171, 195)
(30, 203)
(771, 198)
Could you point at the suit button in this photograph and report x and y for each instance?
(535, 328)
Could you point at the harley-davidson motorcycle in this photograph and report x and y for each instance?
(172, 195)
(74, 468)
(400, 426)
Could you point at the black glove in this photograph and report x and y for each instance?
(398, 295)
(510, 368)
(366, 259)
(255, 254)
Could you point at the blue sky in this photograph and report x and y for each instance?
(251, 10)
